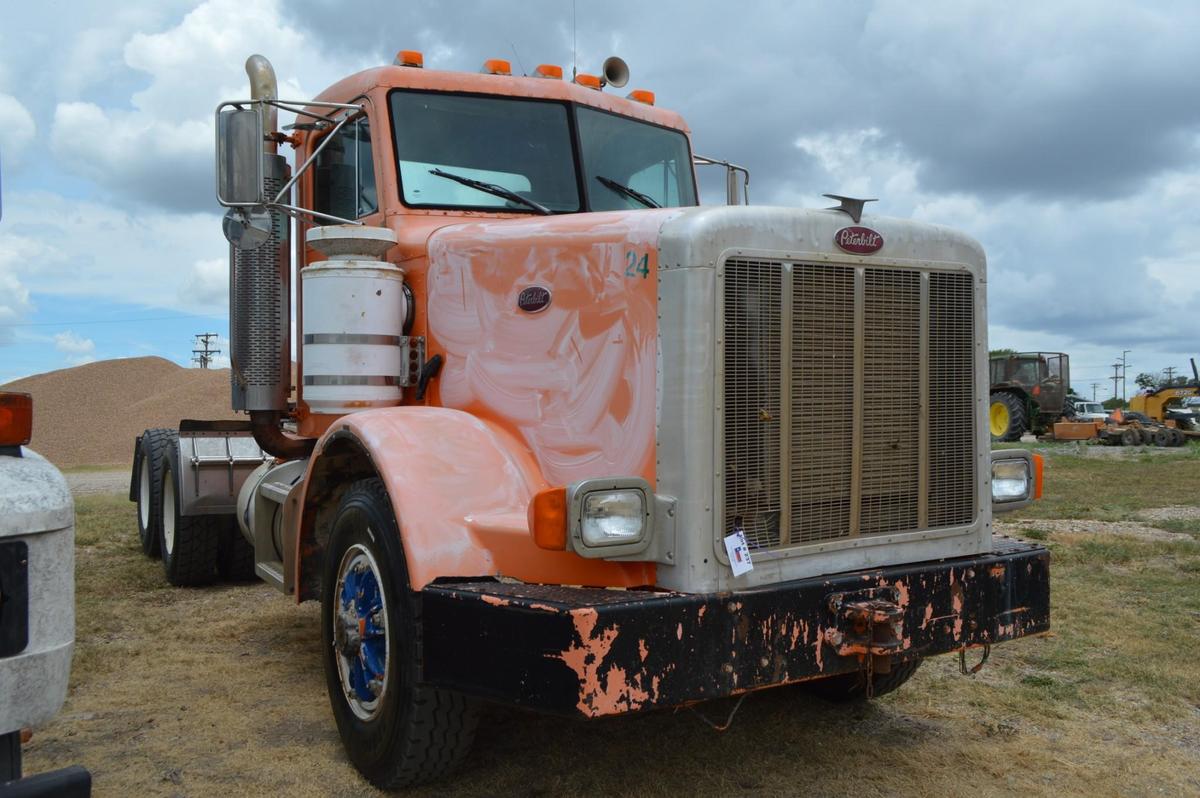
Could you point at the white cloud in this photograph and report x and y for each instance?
(157, 148)
(78, 350)
(208, 283)
(107, 253)
(17, 129)
(69, 343)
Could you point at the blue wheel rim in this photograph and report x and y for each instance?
(361, 641)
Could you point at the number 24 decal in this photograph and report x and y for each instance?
(635, 265)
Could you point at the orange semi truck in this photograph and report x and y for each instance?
(560, 437)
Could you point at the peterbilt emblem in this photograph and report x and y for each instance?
(858, 240)
(533, 299)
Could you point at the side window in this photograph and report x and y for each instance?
(344, 174)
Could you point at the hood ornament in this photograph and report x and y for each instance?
(849, 205)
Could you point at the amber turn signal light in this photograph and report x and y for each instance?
(1038, 463)
(16, 419)
(548, 519)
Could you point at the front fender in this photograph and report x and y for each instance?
(460, 488)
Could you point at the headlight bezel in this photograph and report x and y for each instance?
(1016, 459)
(578, 494)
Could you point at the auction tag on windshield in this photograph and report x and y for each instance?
(739, 552)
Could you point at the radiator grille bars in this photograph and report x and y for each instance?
(804, 461)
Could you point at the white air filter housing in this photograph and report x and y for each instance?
(353, 321)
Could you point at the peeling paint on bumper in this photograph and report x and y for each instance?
(595, 652)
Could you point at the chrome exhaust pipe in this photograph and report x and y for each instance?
(264, 86)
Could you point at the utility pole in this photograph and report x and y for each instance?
(1170, 372)
(1124, 367)
(204, 354)
(1095, 385)
(1116, 378)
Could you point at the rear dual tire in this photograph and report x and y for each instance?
(152, 452)
(189, 543)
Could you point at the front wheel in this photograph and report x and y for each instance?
(396, 731)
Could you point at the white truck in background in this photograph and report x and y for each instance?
(37, 601)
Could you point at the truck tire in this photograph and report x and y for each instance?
(1007, 418)
(1162, 437)
(848, 687)
(235, 555)
(189, 542)
(395, 731)
(1130, 437)
(151, 451)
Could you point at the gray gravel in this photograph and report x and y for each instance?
(84, 483)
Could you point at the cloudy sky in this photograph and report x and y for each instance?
(1065, 136)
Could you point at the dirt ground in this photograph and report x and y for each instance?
(220, 691)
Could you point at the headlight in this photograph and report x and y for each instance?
(1016, 479)
(611, 518)
(1010, 480)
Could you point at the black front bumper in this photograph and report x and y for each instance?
(594, 652)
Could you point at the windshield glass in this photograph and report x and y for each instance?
(650, 160)
(520, 145)
(1091, 407)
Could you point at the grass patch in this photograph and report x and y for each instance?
(1187, 526)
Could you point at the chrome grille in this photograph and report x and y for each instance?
(801, 342)
(891, 400)
(951, 436)
(752, 412)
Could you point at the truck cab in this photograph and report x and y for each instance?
(563, 438)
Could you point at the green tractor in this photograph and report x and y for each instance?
(1029, 393)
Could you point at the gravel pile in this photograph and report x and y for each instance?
(90, 414)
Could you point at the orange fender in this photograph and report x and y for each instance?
(460, 488)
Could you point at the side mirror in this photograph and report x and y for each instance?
(239, 157)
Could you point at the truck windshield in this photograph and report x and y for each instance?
(521, 145)
(525, 147)
(631, 164)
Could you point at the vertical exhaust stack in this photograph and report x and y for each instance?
(260, 299)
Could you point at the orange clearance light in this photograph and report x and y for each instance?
(496, 66)
(16, 422)
(1038, 465)
(548, 71)
(548, 518)
(641, 96)
(591, 81)
(410, 58)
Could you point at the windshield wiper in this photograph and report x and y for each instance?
(493, 189)
(627, 191)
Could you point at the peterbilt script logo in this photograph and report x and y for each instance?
(533, 299)
(859, 240)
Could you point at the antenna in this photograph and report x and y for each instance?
(517, 58)
(574, 48)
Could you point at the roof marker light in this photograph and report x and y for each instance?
(591, 81)
(641, 96)
(548, 71)
(496, 66)
(410, 58)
